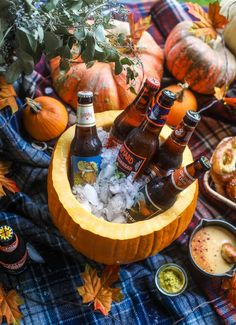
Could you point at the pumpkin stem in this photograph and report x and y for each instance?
(180, 93)
(34, 106)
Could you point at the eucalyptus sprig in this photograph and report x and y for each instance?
(69, 28)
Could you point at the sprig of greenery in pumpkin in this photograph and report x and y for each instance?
(30, 28)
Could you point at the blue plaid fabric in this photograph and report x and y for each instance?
(49, 289)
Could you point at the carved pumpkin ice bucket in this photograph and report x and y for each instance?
(107, 242)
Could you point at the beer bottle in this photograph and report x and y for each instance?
(85, 151)
(134, 114)
(161, 193)
(141, 143)
(13, 251)
(169, 155)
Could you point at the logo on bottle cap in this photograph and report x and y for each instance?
(205, 163)
(6, 233)
(193, 116)
(153, 82)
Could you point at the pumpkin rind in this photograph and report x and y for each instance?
(100, 240)
(49, 122)
(110, 90)
(190, 59)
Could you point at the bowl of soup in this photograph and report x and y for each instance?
(212, 247)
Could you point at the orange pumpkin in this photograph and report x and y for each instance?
(44, 118)
(192, 60)
(185, 100)
(103, 241)
(110, 90)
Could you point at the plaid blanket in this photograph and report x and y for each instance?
(49, 290)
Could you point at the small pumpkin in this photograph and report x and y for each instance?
(44, 118)
(190, 59)
(110, 91)
(107, 242)
(185, 100)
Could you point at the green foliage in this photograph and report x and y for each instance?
(200, 2)
(30, 28)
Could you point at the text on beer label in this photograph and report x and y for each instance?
(181, 179)
(85, 115)
(85, 169)
(17, 265)
(11, 247)
(128, 161)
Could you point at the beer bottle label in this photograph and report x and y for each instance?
(158, 115)
(85, 115)
(85, 169)
(128, 161)
(181, 179)
(143, 208)
(182, 134)
(17, 265)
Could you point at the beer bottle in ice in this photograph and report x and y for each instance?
(85, 152)
(161, 193)
(141, 143)
(134, 114)
(13, 252)
(169, 155)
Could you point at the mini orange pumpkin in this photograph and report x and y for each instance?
(44, 118)
(185, 100)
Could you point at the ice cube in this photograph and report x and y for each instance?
(91, 194)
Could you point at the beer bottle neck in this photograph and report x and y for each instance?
(156, 117)
(179, 138)
(144, 98)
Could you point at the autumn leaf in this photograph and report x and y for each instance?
(230, 286)
(137, 29)
(9, 306)
(220, 94)
(98, 289)
(207, 23)
(5, 181)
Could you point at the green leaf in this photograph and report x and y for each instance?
(132, 89)
(121, 38)
(80, 34)
(88, 53)
(126, 61)
(111, 54)
(26, 40)
(40, 33)
(118, 67)
(100, 34)
(64, 52)
(13, 72)
(90, 64)
(52, 42)
(26, 61)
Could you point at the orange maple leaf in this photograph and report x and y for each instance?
(5, 181)
(230, 286)
(9, 306)
(97, 289)
(137, 29)
(207, 22)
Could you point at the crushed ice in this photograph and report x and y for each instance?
(113, 192)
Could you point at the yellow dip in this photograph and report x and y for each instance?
(171, 280)
(206, 249)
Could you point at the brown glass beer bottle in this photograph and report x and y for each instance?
(134, 114)
(85, 151)
(169, 155)
(13, 251)
(141, 143)
(161, 193)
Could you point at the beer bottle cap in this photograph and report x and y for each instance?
(206, 165)
(167, 98)
(192, 117)
(6, 235)
(152, 83)
(85, 94)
